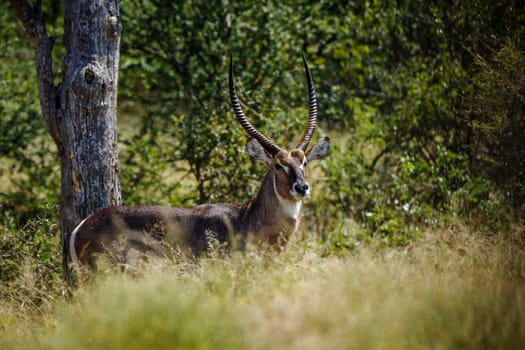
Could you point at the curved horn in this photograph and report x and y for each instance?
(268, 145)
(312, 114)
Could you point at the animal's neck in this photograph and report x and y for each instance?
(269, 216)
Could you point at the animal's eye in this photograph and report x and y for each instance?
(278, 166)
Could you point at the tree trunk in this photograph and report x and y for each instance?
(87, 101)
(80, 114)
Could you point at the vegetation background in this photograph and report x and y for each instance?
(413, 236)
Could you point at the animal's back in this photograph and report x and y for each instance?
(152, 229)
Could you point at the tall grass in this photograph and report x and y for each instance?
(452, 289)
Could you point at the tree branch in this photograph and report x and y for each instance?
(34, 22)
(377, 157)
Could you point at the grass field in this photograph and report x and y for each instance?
(452, 289)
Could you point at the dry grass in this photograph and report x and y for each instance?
(452, 289)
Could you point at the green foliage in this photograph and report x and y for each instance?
(498, 121)
(147, 172)
(30, 264)
(410, 155)
(19, 110)
(177, 54)
(28, 170)
(414, 95)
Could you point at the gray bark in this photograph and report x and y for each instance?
(80, 113)
(88, 100)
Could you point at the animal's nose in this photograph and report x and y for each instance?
(301, 188)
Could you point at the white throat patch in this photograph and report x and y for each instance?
(290, 209)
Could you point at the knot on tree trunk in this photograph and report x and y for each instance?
(90, 85)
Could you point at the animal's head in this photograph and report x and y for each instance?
(288, 167)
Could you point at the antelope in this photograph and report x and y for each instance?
(270, 218)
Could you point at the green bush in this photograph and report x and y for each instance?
(30, 264)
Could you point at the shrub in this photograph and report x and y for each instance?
(30, 267)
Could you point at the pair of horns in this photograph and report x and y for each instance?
(268, 145)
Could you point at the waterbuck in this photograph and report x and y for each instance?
(270, 218)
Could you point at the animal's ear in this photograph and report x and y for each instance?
(255, 150)
(319, 150)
